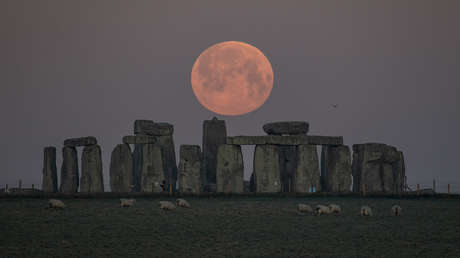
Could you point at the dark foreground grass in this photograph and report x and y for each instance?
(235, 226)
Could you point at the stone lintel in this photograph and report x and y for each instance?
(286, 140)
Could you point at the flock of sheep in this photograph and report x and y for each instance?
(334, 208)
(301, 207)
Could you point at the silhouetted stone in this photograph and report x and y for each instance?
(289, 128)
(91, 180)
(139, 139)
(229, 170)
(308, 175)
(69, 170)
(169, 159)
(137, 167)
(190, 169)
(148, 127)
(82, 141)
(285, 140)
(49, 177)
(379, 167)
(288, 167)
(266, 169)
(152, 176)
(214, 135)
(336, 169)
(121, 169)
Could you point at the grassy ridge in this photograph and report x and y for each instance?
(237, 226)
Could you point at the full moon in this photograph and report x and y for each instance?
(232, 78)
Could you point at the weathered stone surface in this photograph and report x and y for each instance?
(148, 127)
(379, 167)
(91, 180)
(169, 159)
(266, 169)
(152, 176)
(288, 167)
(230, 170)
(190, 169)
(137, 168)
(336, 168)
(308, 175)
(289, 127)
(69, 170)
(285, 140)
(82, 141)
(214, 135)
(49, 176)
(121, 169)
(139, 139)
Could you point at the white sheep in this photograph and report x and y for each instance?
(127, 202)
(396, 210)
(304, 208)
(321, 209)
(335, 208)
(366, 211)
(182, 203)
(165, 205)
(57, 204)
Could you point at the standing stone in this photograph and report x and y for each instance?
(69, 170)
(266, 169)
(308, 175)
(168, 153)
(214, 134)
(152, 176)
(49, 177)
(121, 169)
(288, 167)
(91, 170)
(336, 168)
(137, 166)
(399, 172)
(230, 170)
(190, 169)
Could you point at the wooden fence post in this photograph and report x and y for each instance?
(448, 189)
(170, 189)
(418, 189)
(33, 187)
(434, 186)
(20, 184)
(363, 188)
(6, 188)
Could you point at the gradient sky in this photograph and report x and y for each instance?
(78, 68)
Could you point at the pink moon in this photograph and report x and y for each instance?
(232, 78)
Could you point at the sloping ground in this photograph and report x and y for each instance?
(231, 226)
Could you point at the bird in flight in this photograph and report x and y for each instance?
(335, 105)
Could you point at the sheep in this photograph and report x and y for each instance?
(335, 208)
(304, 208)
(165, 205)
(127, 202)
(396, 210)
(57, 204)
(366, 211)
(321, 209)
(182, 203)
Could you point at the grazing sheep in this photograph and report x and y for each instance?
(57, 204)
(321, 209)
(304, 208)
(182, 203)
(335, 208)
(127, 202)
(366, 211)
(165, 205)
(396, 210)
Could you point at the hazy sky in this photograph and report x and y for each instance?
(78, 68)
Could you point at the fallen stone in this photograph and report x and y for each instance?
(121, 169)
(49, 177)
(190, 169)
(148, 127)
(289, 128)
(91, 180)
(285, 140)
(82, 141)
(152, 176)
(308, 174)
(229, 170)
(266, 169)
(214, 135)
(139, 139)
(336, 169)
(69, 170)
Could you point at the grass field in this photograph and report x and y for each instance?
(229, 226)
